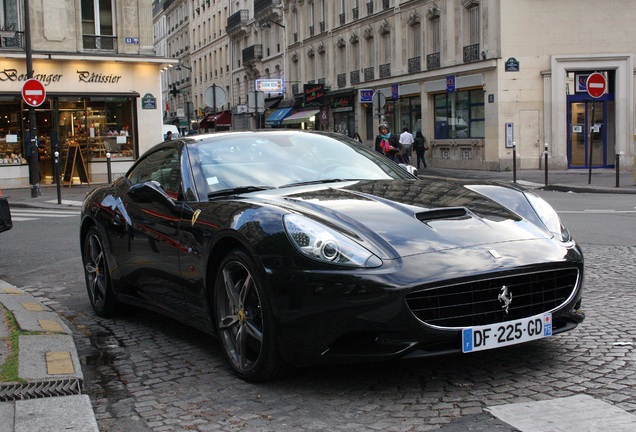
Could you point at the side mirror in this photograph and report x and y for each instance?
(150, 192)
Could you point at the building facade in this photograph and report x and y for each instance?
(100, 73)
(485, 80)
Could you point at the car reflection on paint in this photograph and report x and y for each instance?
(297, 248)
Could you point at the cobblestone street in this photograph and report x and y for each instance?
(144, 372)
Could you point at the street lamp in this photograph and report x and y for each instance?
(267, 24)
(179, 66)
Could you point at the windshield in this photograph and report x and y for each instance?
(278, 159)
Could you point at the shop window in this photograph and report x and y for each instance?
(98, 25)
(99, 125)
(11, 140)
(460, 115)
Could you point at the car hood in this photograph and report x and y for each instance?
(412, 216)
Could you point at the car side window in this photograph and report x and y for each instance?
(163, 167)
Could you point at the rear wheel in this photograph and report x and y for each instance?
(244, 319)
(97, 275)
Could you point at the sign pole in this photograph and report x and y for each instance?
(214, 105)
(591, 146)
(32, 145)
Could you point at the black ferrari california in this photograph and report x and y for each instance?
(296, 248)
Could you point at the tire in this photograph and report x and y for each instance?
(244, 320)
(97, 275)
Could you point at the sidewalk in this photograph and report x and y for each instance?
(48, 396)
(601, 181)
(50, 399)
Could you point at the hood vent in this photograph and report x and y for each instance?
(444, 213)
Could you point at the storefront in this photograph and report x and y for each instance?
(216, 122)
(97, 107)
(306, 120)
(341, 105)
(276, 118)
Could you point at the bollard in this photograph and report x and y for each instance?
(618, 169)
(514, 162)
(110, 173)
(545, 155)
(56, 173)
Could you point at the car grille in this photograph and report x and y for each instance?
(476, 302)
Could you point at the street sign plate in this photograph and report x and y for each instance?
(214, 96)
(596, 85)
(33, 92)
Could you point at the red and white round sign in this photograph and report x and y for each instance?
(33, 92)
(596, 85)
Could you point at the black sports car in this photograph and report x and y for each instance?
(297, 247)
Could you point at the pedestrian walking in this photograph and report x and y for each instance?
(420, 146)
(357, 137)
(406, 140)
(386, 142)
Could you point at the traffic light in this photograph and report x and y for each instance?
(174, 92)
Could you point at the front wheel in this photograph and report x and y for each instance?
(244, 319)
(97, 275)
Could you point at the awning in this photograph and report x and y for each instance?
(300, 117)
(222, 119)
(273, 102)
(276, 119)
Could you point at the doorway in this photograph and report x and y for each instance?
(587, 138)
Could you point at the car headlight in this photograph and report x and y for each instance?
(321, 243)
(549, 217)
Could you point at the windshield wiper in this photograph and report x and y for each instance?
(310, 182)
(238, 191)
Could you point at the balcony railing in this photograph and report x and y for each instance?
(322, 26)
(385, 4)
(236, 20)
(14, 41)
(414, 64)
(102, 43)
(370, 8)
(385, 70)
(262, 5)
(311, 30)
(342, 18)
(356, 13)
(341, 79)
(355, 77)
(433, 61)
(471, 53)
(369, 73)
(252, 54)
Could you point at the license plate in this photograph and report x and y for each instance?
(491, 336)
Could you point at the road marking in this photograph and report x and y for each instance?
(581, 413)
(21, 215)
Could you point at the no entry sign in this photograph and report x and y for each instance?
(33, 92)
(596, 85)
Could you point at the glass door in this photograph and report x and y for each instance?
(587, 134)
